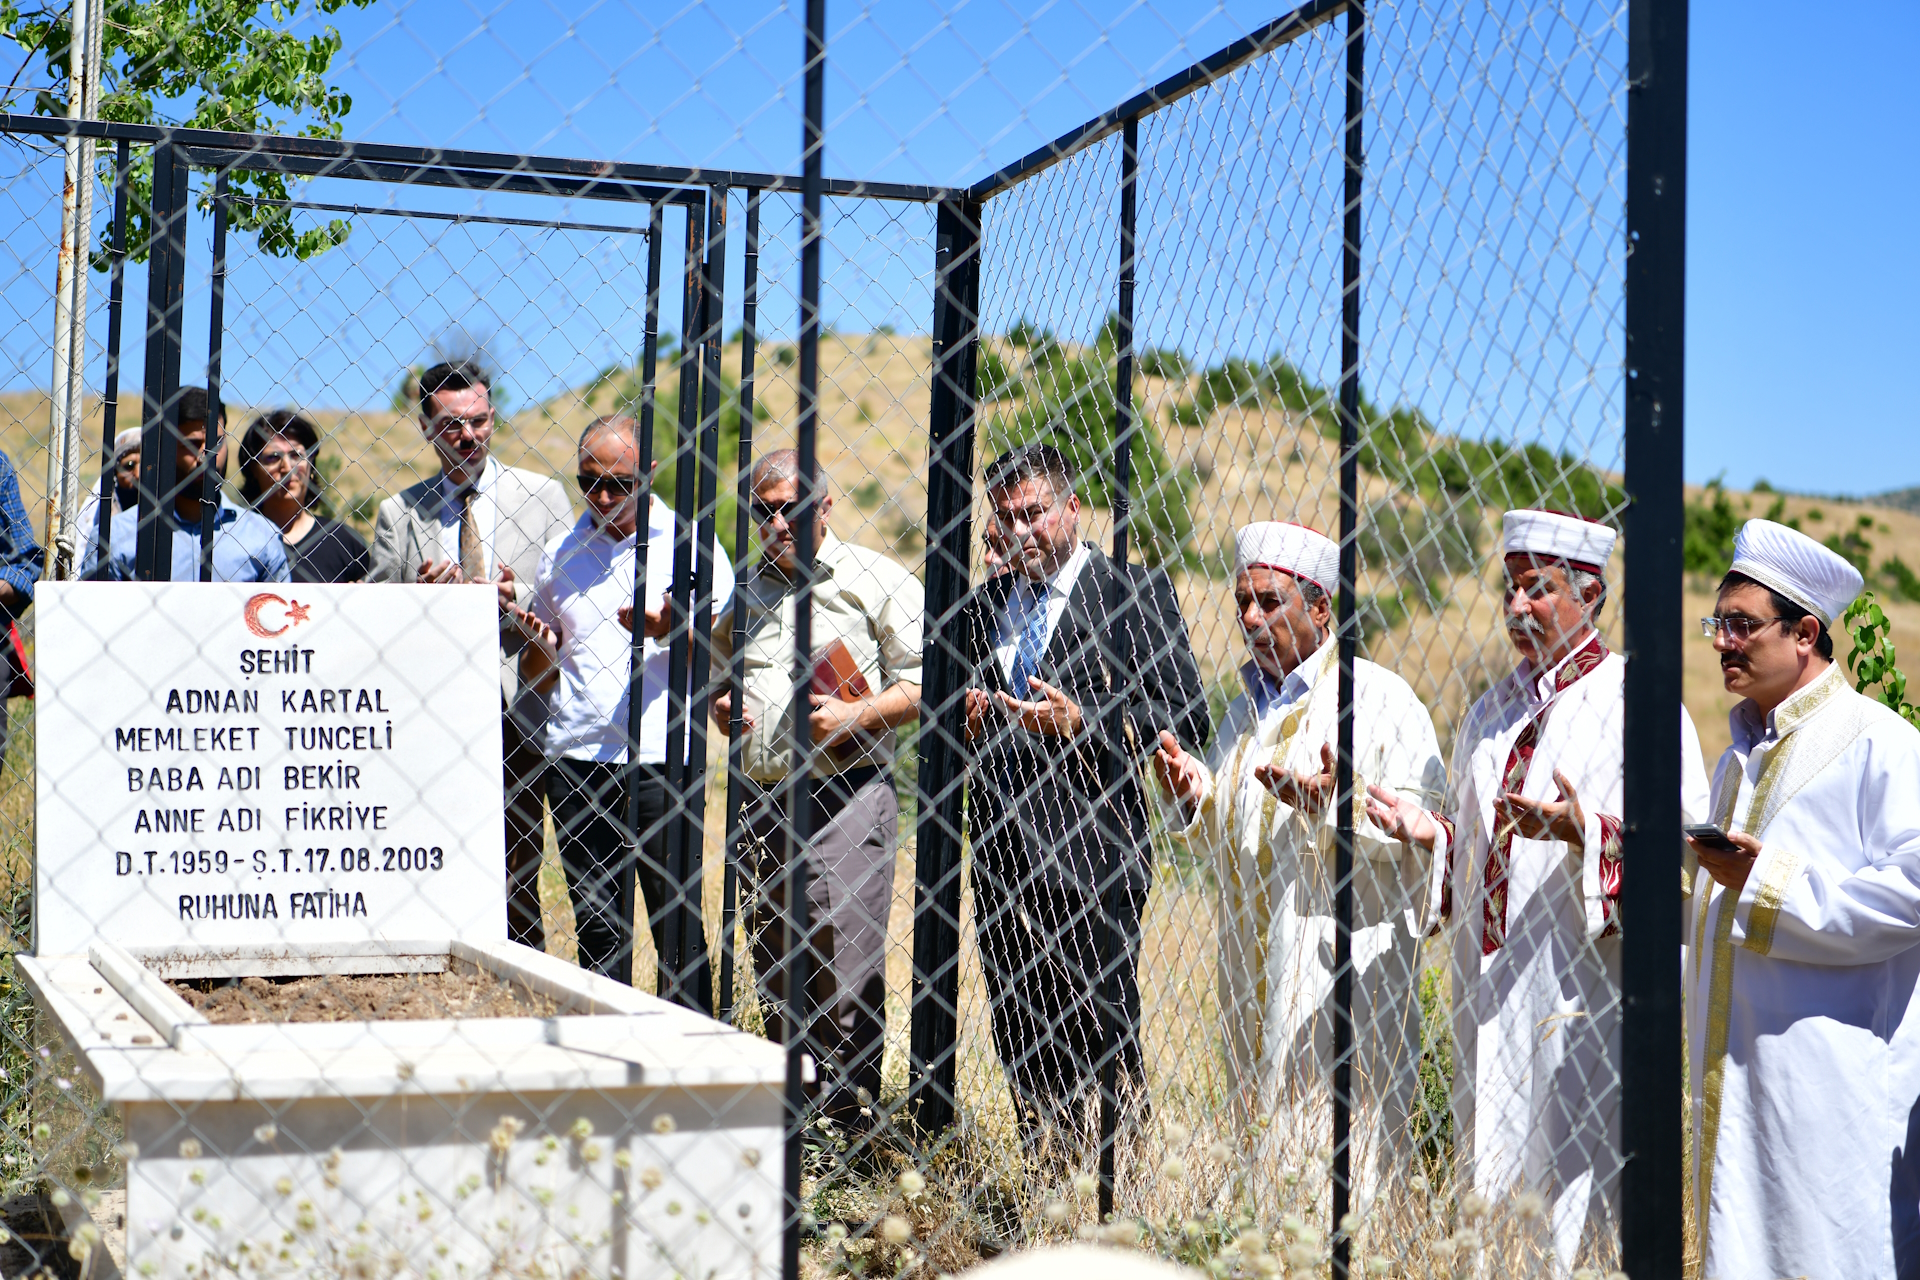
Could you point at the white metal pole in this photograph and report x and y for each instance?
(68, 388)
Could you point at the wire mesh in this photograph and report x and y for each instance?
(1091, 933)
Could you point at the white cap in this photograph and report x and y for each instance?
(1796, 566)
(126, 442)
(1554, 535)
(1292, 548)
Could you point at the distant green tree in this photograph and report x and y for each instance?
(1853, 545)
(201, 64)
(993, 379)
(1900, 578)
(1707, 545)
(1069, 403)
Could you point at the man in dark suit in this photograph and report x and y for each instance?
(1076, 666)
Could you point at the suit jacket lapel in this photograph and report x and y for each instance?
(1076, 621)
(991, 603)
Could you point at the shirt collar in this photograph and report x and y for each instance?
(226, 513)
(1062, 580)
(659, 525)
(1268, 693)
(825, 552)
(489, 472)
(1800, 706)
(1563, 674)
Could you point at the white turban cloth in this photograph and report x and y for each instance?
(1796, 566)
(1552, 535)
(1292, 548)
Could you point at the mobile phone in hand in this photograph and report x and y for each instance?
(1709, 836)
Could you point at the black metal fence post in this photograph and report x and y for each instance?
(110, 396)
(210, 476)
(166, 284)
(798, 940)
(734, 847)
(697, 972)
(935, 1006)
(643, 524)
(1651, 1234)
(675, 948)
(1115, 941)
(1349, 633)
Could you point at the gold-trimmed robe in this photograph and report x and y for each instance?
(1274, 866)
(1802, 1022)
(1536, 1020)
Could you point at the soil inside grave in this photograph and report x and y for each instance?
(360, 997)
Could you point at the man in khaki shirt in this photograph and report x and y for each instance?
(873, 605)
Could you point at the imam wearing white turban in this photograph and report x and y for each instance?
(1258, 807)
(1527, 873)
(1803, 950)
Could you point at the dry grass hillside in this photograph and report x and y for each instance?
(1248, 460)
(1242, 461)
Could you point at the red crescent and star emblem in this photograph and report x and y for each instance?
(293, 613)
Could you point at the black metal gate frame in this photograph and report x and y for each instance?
(1655, 302)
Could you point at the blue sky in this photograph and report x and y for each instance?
(1492, 318)
(1803, 259)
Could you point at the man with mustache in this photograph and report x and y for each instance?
(1260, 803)
(1804, 946)
(1527, 870)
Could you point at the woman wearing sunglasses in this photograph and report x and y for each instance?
(277, 480)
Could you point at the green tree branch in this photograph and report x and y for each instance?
(1872, 659)
(202, 64)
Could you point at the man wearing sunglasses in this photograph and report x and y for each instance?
(1527, 872)
(480, 521)
(1804, 942)
(869, 605)
(582, 616)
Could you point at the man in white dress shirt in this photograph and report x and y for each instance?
(1804, 947)
(479, 521)
(1527, 870)
(1260, 805)
(583, 601)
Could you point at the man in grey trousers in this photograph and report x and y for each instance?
(870, 606)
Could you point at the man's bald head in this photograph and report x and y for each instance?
(781, 466)
(775, 479)
(611, 424)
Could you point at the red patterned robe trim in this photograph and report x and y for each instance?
(1610, 874)
(1493, 922)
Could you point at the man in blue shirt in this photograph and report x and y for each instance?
(246, 546)
(21, 559)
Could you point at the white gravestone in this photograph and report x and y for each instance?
(250, 779)
(232, 767)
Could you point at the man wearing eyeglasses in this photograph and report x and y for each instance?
(246, 546)
(1076, 667)
(480, 521)
(583, 619)
(1527, 871)
(869, 606)
(1803, 1028)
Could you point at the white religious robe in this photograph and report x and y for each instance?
(1802, 1023)
(1274, 865)
(1535, 957)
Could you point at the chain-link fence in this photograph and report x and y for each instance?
(1117, 730)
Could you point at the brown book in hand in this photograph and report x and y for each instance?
(837, 675)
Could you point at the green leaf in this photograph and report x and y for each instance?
(208, 64)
